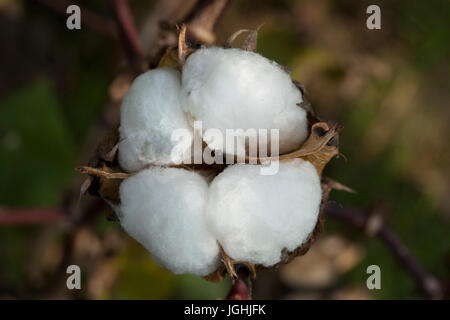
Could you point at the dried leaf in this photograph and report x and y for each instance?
(103, 173)
(327, 151)
(85, 186)
(203, 23)
(169, 59)
(327, 185)
(183, 49)
(230, 40)
(110, 156)
(305, 105)
(287, 69)
(335, 185)
(230, 265)
(250, 43)
(105, 149)
(109, 190)
(300, 86)
(321, 135)
(216, 276)
(321, 145)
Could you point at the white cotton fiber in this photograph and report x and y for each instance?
(255, 217)
(164, 209)
(150, 112)
(238, 89)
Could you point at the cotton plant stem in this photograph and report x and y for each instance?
(127, 29)
(428, 284)
(29, 216)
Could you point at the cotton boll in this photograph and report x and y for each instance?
(254, 217)
(150, 113)
(164, 209)
(237, 89)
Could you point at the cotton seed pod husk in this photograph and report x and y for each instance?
(319, 148)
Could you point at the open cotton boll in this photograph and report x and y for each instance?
(164, 209)
(254, 217)
(150, 112)
(238, 89)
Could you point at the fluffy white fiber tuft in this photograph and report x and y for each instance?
(238, 89)
(255, 217)
(151, 111)
(164, 209)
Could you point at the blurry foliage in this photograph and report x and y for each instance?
(389, 88)
(140, 277)
(193, 287)
(36, 166)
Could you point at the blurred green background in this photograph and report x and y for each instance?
(389, 88)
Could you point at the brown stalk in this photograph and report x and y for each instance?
(428, 284)
(25, 216)
(127, 29)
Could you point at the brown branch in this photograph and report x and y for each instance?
(90, 19)
(428, 284)
(204, 18)
(75, 222)
(26, 216)
(128, 32)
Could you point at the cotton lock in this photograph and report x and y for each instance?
(150, 112)
(164, 209)
(238, 89)
(255, 217)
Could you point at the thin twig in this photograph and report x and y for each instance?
(88, 216)
(25, 216)
(429, 285)
(128, 32)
